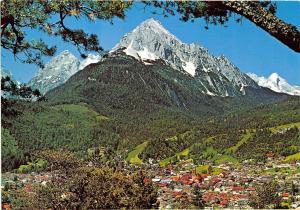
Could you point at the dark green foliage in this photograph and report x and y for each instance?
(267, 115)
(198, 200)
(10, 152)
(223, 142)
(163, 148)
(73, 127)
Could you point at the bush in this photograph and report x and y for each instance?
(37, 165)
(57, 160)
(23, 169)
(97, 188)
(40, 164)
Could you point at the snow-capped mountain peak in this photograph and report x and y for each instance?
(59, 69)
(276, 83)
(151, 41)
(156, 27)
(54, 66)
(55, 72)
(138, 42)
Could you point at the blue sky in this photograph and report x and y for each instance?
(247, 46)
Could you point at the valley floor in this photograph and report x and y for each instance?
(180, 185)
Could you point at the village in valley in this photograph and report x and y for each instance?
(225, 185)
(185, 185)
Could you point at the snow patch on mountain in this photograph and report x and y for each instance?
(190, 68)
(143, 54)
(146, 54)
(276, 83)
(89, 60)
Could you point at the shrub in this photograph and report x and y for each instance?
(37, 165)
(40, 164)
(57, 160)
(267, 196)
(97, 188)
(23, 169)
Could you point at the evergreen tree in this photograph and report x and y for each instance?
(198, 201)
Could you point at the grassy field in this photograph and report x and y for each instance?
(133, 156)
(226, 159)
(80, 109)
(203, 169)
(276, 128)
(206, 169)
(243, 140)
(292, 157)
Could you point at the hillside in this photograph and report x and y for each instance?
(78, 127)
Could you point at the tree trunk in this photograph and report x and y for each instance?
(253, 11)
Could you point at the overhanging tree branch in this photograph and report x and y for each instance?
(19, 16)
(253, 11)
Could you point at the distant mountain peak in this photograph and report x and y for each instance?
(152, 21)
(276, 83)
(65, 63)
(274, 75)
(59, 69)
